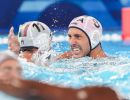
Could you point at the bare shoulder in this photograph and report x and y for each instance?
(65, 55)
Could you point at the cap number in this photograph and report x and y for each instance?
(35, 25)
(96, 24)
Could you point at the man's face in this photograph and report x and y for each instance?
(79, 43)
(27, 54)
(10, 70)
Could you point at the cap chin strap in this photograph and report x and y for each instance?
(89, 53)
(93, 49)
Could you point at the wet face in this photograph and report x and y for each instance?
(9, 70)
(79, 43)
(27, 54)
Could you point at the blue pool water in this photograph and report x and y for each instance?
(113, 71)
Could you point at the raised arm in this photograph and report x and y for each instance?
(13, 43)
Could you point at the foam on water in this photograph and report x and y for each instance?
(77, 73)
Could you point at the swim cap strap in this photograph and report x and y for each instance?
(96, 45)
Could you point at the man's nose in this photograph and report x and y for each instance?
(73, 41)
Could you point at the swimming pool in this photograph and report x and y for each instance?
(113, 71)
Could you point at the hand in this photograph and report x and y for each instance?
(13, 43)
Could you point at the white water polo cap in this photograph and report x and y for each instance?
(91, 27)
(35, 34)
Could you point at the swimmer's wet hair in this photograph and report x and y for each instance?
(29, 48)
(4, 56)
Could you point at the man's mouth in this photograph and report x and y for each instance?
(76, 50)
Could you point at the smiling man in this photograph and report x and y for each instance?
(85, 34)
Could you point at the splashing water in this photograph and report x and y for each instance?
(77, 73)
(111, 71)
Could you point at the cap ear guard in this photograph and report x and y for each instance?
(95, 39)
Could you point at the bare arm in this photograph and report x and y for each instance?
(29, 90)
(13, 43)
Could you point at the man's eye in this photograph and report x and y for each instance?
(77, 36)
(6, 69)
(69, 36)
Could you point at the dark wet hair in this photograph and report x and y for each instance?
(28, 48)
